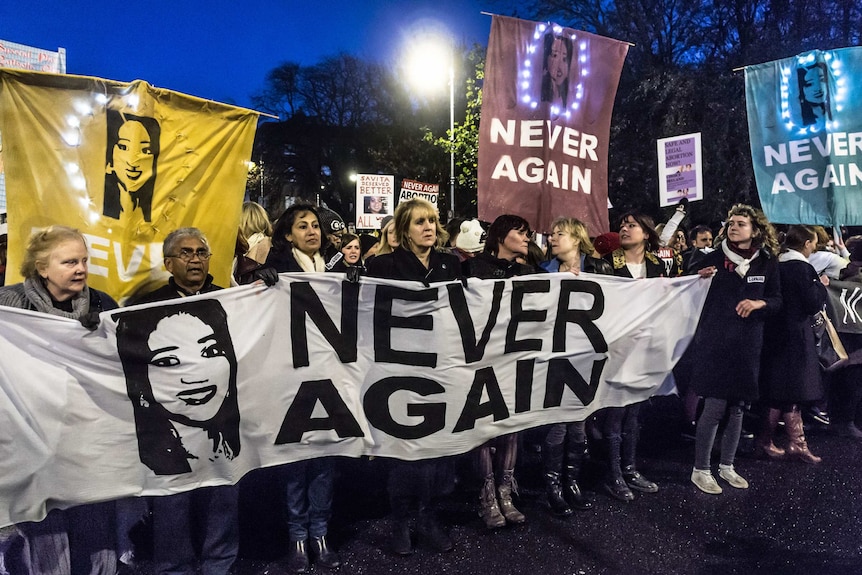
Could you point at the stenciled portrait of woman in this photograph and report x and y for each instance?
(556, 65)
(131, 164)
(181, 376)
(814, 94)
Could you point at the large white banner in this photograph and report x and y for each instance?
(167, 397)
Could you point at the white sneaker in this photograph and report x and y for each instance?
(705, 481)
(727, 473)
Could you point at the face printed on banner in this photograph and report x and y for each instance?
(561, 242)
(305, 233)
(375, 205)
(631, 233)
(133, 156)
(351, 252)
(739, 231)
(65, 272)
(189, 375)
(814, 85)
(423, 229)
(558, 62)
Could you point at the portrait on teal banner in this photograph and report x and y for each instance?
(806, 136)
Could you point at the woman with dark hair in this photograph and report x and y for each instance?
(635, 258)
(296, 244)
(556, 62)
(420, 236)
(132, 161)
(159, 345)
(570, 245)
(55, 271)
(296, 241)
(726, 349)
(790, 369)
(814, 98)
(507, 239)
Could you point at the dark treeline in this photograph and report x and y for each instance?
(344, 115)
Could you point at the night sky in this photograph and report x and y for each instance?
(221, 49)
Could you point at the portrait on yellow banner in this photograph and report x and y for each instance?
(126, 163)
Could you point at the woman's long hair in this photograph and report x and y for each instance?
(159, 444)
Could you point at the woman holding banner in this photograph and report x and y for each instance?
(80, 539)
(726, 349)
(635, 259)
(572, 250)
(507, 238)
(414, 483)
(296, 244)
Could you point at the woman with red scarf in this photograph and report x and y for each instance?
(726, 348)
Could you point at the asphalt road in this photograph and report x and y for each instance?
(794, 519)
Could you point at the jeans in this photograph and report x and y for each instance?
(707, 428)
(208, 511)
(309, 497)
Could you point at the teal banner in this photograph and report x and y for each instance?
(806, 136)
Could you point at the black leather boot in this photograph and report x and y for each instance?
(552, 460)
(614, 484)
(297, 557)
(323, 555)
(575, 456)
(631, 476)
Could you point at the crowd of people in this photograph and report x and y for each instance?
(754, 351)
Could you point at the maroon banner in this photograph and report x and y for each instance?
(546, 114)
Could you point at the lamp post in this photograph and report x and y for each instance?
(261, 182)
(430, 58)
(452, 137)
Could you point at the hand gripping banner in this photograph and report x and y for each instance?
(168, 397)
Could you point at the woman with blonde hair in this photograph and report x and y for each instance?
(79, 539)
(570, 245)
(413, 484)
(257, 230)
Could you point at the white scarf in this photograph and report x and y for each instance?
(315, 264)
(741, 263)
(792, 255)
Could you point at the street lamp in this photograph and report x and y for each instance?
(431, 58)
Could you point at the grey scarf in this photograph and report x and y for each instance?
(39, 297)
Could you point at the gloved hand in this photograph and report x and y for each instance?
(90, 320)
(268, 275)
(353, 274)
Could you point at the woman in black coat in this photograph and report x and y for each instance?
(790, 368)
(745, 289)
(635, 258)
(419, 235)
(508, 238)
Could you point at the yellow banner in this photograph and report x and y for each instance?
(126, 163)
